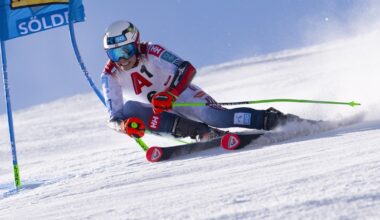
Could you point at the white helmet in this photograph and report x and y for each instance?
(121, 33)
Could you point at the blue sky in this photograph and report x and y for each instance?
(42, 67)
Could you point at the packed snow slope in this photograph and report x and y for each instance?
(74, 167)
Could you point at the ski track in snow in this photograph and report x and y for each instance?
(73, 167)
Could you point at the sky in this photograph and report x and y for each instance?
(42, 67)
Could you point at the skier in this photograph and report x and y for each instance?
(141, 81)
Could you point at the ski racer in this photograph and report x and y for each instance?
(142, 80)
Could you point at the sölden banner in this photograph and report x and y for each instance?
(23, 17)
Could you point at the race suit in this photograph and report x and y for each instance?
(128, 94)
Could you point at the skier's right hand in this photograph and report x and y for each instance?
(133, 127)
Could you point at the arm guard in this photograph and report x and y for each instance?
(182, 78)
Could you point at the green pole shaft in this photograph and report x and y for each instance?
(198, 104)
(305, 101)
(16, 172)
(141, 143)
(7, 95)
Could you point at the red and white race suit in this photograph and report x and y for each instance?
(159, 70)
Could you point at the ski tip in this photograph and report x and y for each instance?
(230, 141)
(154, 154)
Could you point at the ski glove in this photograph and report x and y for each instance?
(162, 102)
(133, 127)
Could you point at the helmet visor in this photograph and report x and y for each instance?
(125, 51)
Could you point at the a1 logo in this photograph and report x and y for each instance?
(139, 82)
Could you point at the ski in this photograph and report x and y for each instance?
(233, 141)
(229, 141)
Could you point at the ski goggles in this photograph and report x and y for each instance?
(125, 51)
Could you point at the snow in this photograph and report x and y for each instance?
(74, 167)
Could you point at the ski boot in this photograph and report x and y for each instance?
(274, 118)
(212, 134)
(195, 130)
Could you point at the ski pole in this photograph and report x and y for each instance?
(141, 143)
(198, 104)
(136, 131)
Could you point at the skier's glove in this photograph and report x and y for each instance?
(133, 127)
(162, 102)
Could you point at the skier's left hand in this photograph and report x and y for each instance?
(162, 102)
